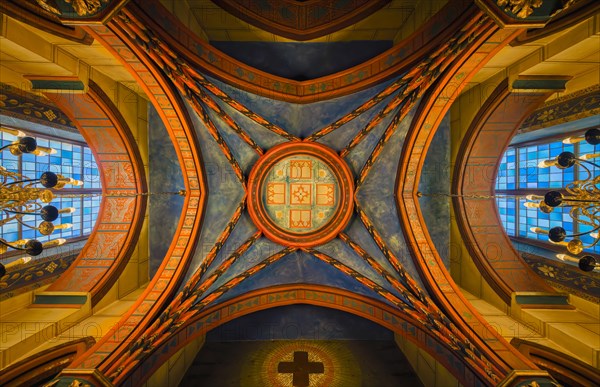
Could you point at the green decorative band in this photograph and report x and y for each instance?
(545, 299)
(60, 299)
(55, 84)
(540, 84)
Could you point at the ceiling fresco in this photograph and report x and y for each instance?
(225, 192)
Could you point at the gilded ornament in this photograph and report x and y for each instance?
(46, 228)
(86, 7)
(81, 7)
(521, 8)
(52, 8)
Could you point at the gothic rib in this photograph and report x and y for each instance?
(169, 66)
(187, 310)
(428, 313)
(398, 59)
(175, 67)
(359, 110)
(428, 73)
(214, 132)
(440, 329)
(229, 121)
(427, 119)
(219, 243)
(380, 312)
(174, 315)
(176, 119)
(413, 84)
(366, 281)
(410, 283)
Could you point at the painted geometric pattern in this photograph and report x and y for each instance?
(300, 194)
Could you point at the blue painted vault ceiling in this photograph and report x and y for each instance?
(376, 196)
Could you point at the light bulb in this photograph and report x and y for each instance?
(572, 140)
(546, 163)
(14, 132)
(590, 156)
(538, 230)
(55, 242)
(565, 257)
(534, 197)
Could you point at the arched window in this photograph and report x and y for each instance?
(73, 159)
(519, 175)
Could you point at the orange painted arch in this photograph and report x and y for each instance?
(433, 106)
(401, 323)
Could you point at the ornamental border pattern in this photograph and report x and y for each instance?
(36, 274)
(581, 104)
(26, 106)
(565, 276)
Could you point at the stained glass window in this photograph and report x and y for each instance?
(71, 159)
(518, 171)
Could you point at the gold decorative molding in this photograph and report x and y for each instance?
(519, 377)
(520, 8)
(87, 7)
(522, 13)
(81, 7)
(86, 375)
(46, 6)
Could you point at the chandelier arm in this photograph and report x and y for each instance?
(25, 224)
(585, 222)
(587, 162)
(4, 221)
(583, 233)
(22, 212)
(567, 200)
(2, 241)
(581, 162)
(32, 181)
(594, 243)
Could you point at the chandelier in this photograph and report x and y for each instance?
(21, 196)
(581, 197)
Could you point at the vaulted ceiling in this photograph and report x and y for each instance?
(359, 135)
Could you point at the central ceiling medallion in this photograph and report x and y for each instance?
(300, 194)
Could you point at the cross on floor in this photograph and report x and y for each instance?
(300, 368)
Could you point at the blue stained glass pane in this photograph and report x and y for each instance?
(67, 160)
(28, 157)
(11, 236)
(506, 208)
